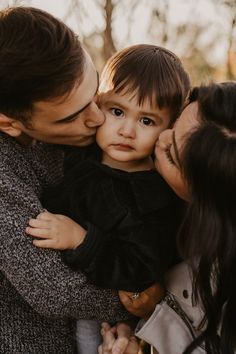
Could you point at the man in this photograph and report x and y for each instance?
(47, 89)
(48, 86)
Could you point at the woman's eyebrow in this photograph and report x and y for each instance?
(176, 149)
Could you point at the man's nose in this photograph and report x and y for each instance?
(95, 116)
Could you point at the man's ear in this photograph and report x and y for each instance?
(10, 126)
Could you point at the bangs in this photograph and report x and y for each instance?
(148, 73)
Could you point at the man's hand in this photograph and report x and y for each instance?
(55, 231)
(118, 340)
(145, 303)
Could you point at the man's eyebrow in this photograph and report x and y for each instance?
(71, 116)
(176, 149)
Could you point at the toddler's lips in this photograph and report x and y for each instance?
(123, 147)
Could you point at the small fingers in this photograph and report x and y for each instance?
(44, 243)
(39, 223)
(45, 215)
(43, 233)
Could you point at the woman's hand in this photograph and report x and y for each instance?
(118, 340)
(55, 231)
(144, 304)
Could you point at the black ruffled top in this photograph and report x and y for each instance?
(132, 219)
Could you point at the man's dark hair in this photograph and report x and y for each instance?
(40, 58)
(150, 72)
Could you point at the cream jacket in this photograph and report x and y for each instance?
(175, 322)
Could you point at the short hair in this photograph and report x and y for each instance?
(40, 58)
(150, 72)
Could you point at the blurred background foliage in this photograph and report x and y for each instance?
(204, 38)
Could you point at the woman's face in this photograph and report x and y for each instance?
(169, 147)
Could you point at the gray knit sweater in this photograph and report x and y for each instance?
(40, 297)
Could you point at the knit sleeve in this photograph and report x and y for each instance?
(38, 275)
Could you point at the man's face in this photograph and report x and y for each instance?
(68, 120)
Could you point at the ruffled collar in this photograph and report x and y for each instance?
(150, 191)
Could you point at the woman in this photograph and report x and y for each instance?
(198, 160)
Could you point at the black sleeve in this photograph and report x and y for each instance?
(131, 258)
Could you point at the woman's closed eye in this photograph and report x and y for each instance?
(117, 112)
(168, 154)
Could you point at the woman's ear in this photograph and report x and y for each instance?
(10, 126)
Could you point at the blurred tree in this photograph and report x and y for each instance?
(105, 26)
(101, 41)
(108, 43)
(159, 22)
(15, 3)
(184, 39)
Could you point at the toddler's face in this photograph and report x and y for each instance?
(130, 131)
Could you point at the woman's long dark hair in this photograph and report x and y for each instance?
(209, 229)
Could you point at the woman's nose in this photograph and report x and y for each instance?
(164, 139)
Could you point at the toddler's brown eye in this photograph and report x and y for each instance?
(117, 112)
(147, 121)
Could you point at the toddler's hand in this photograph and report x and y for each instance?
(55, 231)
